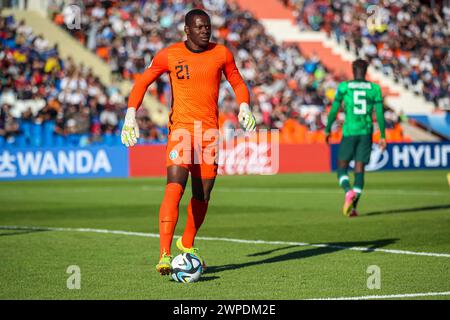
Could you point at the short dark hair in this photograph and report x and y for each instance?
(189, 18)
(360, 65)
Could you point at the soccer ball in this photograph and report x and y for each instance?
(186, 268)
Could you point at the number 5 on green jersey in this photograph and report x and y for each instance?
(359, 102)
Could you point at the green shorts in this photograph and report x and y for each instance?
(356, 148)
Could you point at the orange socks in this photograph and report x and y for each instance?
(168, 216)
(196, 215)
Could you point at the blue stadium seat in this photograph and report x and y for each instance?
(72, 140)
(21, 141)
(164, 131)
(117, 140)
(36, 135)
(25, 128)
(10, 142)
(60, 140)
(49, 136)
(108, 139)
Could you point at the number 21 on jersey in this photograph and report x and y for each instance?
(182, 71)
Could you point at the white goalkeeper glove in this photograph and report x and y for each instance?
(246, 118)
(130, 129)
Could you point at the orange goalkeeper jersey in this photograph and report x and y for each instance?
(195, 79)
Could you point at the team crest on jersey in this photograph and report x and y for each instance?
(173, 154)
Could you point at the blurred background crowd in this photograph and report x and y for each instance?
(284, 84)
(406, 39)
(46, 100)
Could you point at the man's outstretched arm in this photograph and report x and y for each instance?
(130, 130)
(246, 118)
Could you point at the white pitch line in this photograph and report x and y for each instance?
(300, 244)
(391, 296)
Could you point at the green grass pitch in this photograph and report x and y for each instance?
(408, 211)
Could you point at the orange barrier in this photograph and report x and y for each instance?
(295, 133)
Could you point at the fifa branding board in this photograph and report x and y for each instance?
(401, 156)
(59, 163)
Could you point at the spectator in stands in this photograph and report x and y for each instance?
(285, 85)
(9, 126)
(43, 95)
(128, 34)
(109, 118)
(407, 40)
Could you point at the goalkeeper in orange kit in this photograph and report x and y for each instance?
(195, 68)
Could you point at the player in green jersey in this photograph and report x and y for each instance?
(360, 98)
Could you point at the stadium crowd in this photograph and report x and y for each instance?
(285, 85)
(406, 39)
(48, 101)
(69, 105)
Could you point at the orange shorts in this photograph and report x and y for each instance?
(199, 156)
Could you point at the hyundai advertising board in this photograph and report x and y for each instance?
(399, 156)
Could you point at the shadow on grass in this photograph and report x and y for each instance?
(325, 248)
(202, 279)
(208, 278)
(404, 210)
(18, 232)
